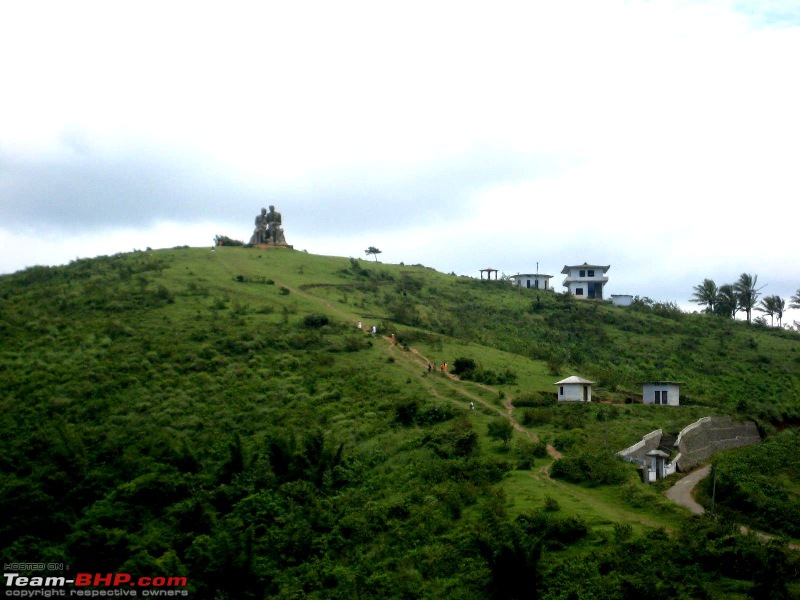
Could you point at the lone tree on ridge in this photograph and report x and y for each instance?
(374, 251)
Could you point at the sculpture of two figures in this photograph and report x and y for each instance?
(268, 228)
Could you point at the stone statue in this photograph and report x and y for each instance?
(260, 234)
(268, 229)
(275, 232)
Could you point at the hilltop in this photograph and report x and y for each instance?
(219, 415)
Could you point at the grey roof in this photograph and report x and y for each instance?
(660, 453)
(566, 268)
(572, 379)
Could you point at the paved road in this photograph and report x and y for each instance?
(681, 492)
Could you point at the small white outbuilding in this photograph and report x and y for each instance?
(621, 299)
(574, 389)
(662, 392)
(535, 281)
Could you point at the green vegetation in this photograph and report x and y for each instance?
(218, 415)
(760, 485)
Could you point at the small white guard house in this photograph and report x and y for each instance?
(585, 281)
(574, 389)
(534, 281)
(662, 392)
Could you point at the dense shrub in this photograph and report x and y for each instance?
(526, 451)
(224, 240)
(315, 321)
(457, 438)
(501, 429)
(468, 369)
(590, 469)
(463, 365)
(536, 399)
(405, 411)
(551, 527)
(537, 416)
(567, 440)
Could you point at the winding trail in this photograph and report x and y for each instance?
(415, 357)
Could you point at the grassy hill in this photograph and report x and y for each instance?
(219, 416)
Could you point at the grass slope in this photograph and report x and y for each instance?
(218, 415)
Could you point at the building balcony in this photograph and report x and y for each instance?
(597, 279)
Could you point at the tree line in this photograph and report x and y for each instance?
(741, 296)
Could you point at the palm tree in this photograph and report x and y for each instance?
(794, 301)
(772, 306)
(727, 303)
(780, 306)
(706, 293)
(747, 293)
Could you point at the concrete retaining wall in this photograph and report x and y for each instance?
(638, 452)
(701, 439)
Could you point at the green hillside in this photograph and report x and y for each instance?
(220, 416)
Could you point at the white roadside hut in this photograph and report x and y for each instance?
(574, 389)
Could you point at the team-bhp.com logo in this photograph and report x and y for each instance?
(93, 585)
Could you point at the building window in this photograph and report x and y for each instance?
(591, 272)
(581, 273)
(579, 291)
(529, 284)
(536, 283)
(561, 390)
(661, 396)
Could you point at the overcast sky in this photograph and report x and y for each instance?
(662, 138)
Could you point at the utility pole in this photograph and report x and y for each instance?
(713, 490)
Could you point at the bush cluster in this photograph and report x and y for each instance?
(590, 468)
(468, 369)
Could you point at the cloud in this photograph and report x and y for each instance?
(86, 192)
(83, 188)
